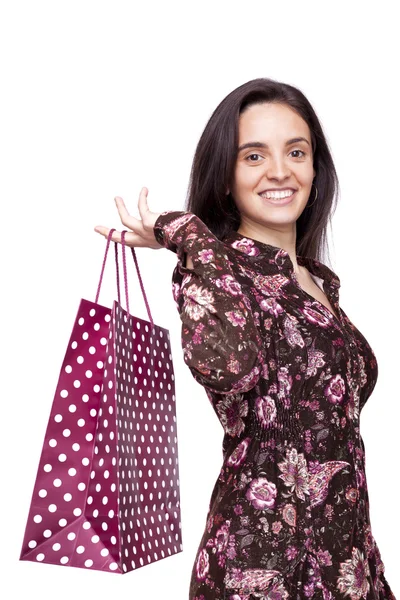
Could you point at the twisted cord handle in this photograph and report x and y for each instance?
(125, 273)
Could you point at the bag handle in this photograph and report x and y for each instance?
(125, 273)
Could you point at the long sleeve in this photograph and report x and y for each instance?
(221, 343)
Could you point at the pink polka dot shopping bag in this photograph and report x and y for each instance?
(106, 495)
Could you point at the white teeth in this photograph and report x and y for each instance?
(278, 194)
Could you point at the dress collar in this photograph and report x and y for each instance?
(278, 257)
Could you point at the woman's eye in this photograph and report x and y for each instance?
(303, 153)
(252, 155)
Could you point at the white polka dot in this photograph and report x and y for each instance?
(64, 393)
(57, 482)
(72, 408)
(42, 493)
(47, 468)
(88, 563)
(66, 432)
(64, 560)
(58, 418)
(52, 508)
(53, 443)
(72, 472)
(81, 422)
(56, 547)
(81, 486)
(37, 518)
(71, 536)
(62, 522)
(32, 544)
(47, 533)
(62, 457)
(104, 552)
(67, 497)
(76, 447)
(113, 566)
(80, 549)
(40, 557)
(77, 512)
(95, 539)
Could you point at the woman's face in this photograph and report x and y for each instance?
(280, 163)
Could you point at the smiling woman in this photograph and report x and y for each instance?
(289, 513)
(284, 368)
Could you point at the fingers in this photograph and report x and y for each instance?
(142, 204)
(136, 225)
(126, 218)
(116, 236)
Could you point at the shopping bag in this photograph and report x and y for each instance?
(106, 495)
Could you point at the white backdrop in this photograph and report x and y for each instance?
(101, 98)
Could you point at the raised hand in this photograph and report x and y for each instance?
(142, 234)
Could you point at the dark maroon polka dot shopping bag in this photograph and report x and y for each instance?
(106, 495)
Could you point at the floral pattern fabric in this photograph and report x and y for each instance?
(289, 513)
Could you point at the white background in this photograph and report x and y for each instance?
(101, 98)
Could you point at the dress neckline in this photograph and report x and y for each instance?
(279, 258)
(254, 249)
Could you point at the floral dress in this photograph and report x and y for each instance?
(289, 513)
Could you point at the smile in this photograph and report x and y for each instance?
(279, 201)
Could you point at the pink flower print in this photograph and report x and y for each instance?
(289, 514)
(236, 317)
(353, 578)
(291, 552)
(231, 409)
(206, 256)
(197, 301)
(324, 558)
(239, 454)
(270, 305)
(229, 284)
(202, 564)
(265, 371)
(261, 493)
(222, 538)
(335, 389)
(246, 246)
(265, 410)
(352, 495)
(294, 472)
(315, 317)
(276, 526)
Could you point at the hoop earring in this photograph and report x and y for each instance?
(316, 196)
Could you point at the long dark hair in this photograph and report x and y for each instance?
(215, 157)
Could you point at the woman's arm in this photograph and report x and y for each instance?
(221, 343)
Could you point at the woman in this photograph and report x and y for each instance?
(286, 370)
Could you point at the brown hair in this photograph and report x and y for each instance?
(215, 157)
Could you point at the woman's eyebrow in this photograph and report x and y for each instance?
(295, 140)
